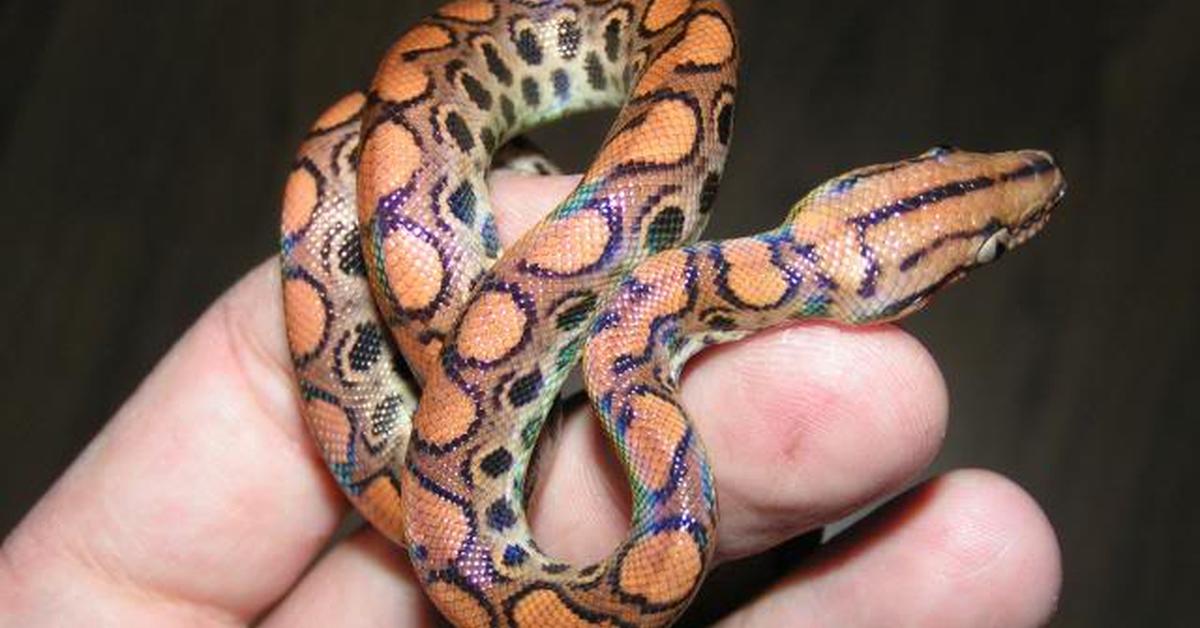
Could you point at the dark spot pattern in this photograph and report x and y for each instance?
(531, 92)
(525, 389)
(528, 47)
(595, 72)
(462, 203)
(515, 556)
(725, 124)
(665, 229)
(458, 129)
(490, 236)
(497, 463)
(500, 515)
(508, 110)
(384, 415)
(562, 84)
(612, 40)
(529, 434)
(367, 348)
(350, 257)
(477, 92)
(496, 65)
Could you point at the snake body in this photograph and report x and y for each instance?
(387, 229)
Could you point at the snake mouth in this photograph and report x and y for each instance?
(1033, 222)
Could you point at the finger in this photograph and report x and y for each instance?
(203, 495)
(802, 425)
(522, 155)
(363, 581)
(813, 422)
(968, 549)
(522, 199)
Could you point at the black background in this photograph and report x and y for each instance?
(142, 150)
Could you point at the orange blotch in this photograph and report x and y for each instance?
(423, 38)
(666, 136)
(380, 503)
(545, 608)
(342, 111)
(457, 605)
(446, 413)
(435, 523)
(330, 428)
(751, 275)
(390, 158)
(306, 316)
(414, 269)
(663, 568)
(476, 11)
(666, 272)
(652, 438)
(300, 197)
(570, 245)
(401, 81)
(708, 41)
(663, 12)
(492, 326)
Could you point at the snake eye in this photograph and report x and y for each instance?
(994, 247)
(940, 151)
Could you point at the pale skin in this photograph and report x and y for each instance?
(203, 501)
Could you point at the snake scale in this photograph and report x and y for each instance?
(387, 229)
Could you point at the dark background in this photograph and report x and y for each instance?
(142, 152)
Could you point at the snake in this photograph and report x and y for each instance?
(428, 356)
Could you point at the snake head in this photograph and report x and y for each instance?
(891, 235)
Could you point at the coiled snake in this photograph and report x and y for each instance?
(387, 228)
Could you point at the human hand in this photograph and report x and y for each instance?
(204, 502)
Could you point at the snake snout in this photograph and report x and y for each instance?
(1051, 186)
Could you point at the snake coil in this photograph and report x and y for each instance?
(388, 230)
